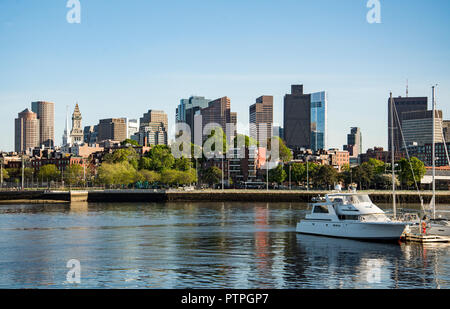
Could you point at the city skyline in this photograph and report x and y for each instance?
(148, 70)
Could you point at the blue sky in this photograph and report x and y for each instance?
(130, 56)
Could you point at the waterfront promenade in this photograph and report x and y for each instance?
(149, 196)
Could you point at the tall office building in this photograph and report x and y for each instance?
(155, 118)
(26, 131)
(417, 128)
(305, 119)
(446, 130)
(46, 114)
(153, 129)
(76, 134)
(354, 142)
(132, 127)
(112, 129)
(90, 134)
(261, 118)
(402, 105)
(218, 112)
(186, 104)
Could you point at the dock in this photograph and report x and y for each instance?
(423, 238)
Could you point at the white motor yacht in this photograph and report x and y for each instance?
(350, 215)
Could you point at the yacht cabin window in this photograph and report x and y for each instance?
(320, 209)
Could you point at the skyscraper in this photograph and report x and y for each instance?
(112, 129)
(417, 127)
(46, 114)
(354, 142)
(218, 112)
(261, 118)
(76, 134)
(26, 131)
(186, 104)
(153, 129)
(402, 105)
(305, 119)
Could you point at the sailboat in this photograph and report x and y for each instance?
(428, 226)
(436, 226)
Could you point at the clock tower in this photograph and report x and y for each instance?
(76, 135)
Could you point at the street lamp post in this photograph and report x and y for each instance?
(23, 173)
(307, 173)
(290, 182)
(1, 174)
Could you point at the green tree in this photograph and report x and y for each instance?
(298, 172)
(214, 137)
(411, 171)
(5, 174)
(248, 141)
(186, 177)
(161, 158)
(277, 175)
(49, 172)
(311, 170)
(150, 176)
(212, 175)
(362, 175)
(325, 176)
(73, 175)
(285, 154)
(183, 164)
(129, 142)
(169, 177)
(118, 174)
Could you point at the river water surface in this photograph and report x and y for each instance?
(201, 245)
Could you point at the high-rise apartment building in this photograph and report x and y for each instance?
(305, 119)
(261, 118)
(402, 105)
(26, 131)
(45, 112)
(112, 129)
(76, 134)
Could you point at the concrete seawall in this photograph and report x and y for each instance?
(151, 196)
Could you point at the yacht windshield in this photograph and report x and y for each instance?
(352, 199)
(374, 218)
(358, 199)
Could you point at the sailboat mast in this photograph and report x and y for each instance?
(433, 157)
(393, 156)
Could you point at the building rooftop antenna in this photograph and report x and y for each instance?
(407, 90)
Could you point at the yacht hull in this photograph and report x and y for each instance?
(375, 231)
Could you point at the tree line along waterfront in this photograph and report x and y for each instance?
(126, 168)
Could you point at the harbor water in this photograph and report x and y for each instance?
(201, 245)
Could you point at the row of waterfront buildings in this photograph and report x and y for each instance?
(304, 130)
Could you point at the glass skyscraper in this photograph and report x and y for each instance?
(319, 104)
(305, 119)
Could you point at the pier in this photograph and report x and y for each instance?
(151, 196)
